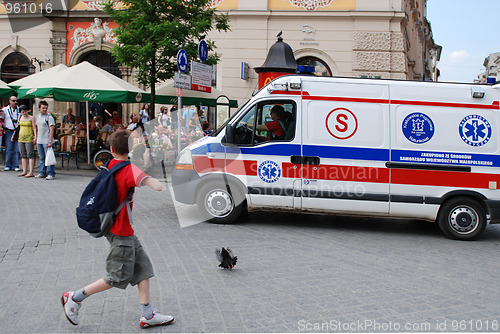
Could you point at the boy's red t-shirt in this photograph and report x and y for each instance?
(128, 177)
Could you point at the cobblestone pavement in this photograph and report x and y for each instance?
(295, 272)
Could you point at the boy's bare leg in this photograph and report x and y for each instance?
(98, 286)
(143, 287)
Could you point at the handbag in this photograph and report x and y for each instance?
(15, 136)
(50, 157)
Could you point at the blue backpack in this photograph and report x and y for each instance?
(98, 207)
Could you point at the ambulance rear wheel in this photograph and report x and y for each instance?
(219, 205)
(462, 219)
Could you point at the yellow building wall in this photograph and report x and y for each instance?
(312, 4)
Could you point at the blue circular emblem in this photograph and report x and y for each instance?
(182, 61)
(203, 50)
(418, 128)
(269, 171)
(475, 130)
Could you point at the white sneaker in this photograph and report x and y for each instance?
(157, 320)
(6, 169)
(70, 307)
(50, 177)
(17, 169)
(40, 176)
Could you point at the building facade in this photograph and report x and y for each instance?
(491, 65)
(389, 39)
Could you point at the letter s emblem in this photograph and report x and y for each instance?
(341, 118)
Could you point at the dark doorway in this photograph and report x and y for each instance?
(104, 60)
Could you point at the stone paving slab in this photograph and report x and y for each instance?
(295, 272)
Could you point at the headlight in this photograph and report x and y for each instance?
(185, 160)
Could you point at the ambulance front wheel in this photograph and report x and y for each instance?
(462, 219)
(220, 205)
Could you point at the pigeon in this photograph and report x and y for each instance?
(226, 258)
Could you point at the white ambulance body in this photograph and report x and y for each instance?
(355, 146)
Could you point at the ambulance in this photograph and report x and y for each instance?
(350, 146)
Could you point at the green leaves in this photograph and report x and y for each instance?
(149, 33)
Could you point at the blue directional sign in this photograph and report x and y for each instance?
(203, 50)
(182, 61)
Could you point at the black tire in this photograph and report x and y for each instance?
(462, 218)
(220, 205)
(101, 158)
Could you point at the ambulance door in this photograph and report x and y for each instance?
(345, 147)
(269, 174)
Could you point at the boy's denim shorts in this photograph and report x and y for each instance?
(127, 262)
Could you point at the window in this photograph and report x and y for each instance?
(267, 121)
(321, 68)
(15, 66)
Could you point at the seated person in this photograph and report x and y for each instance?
(116, 119)
(93, 129)
(275, 128)
(69, 118)
(108, 127)
(78, 123)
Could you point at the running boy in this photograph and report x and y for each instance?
(127, 262)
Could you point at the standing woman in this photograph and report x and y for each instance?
(27, 140)
(144, 114)
(164, 118)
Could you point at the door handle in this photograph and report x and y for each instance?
(296, 159)
(309, 160)
(304, 160)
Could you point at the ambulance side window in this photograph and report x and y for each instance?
(267, 121)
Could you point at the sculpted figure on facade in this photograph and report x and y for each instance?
(98, 32)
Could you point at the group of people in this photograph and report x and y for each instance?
(39, 132)
(21, 132)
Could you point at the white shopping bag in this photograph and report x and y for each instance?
(50, 157)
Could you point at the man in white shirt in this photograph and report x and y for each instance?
(45, 136)
(11, 116)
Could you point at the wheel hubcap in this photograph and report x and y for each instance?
(219, 203)
(464, 219)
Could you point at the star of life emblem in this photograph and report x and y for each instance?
(269, 171)
(475, 130)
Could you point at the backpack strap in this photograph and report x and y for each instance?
(126, 202)
(116, 167)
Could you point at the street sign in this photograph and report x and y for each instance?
(203, 50)
(182, 61)
(179, 92)
(182, 80)
(201, 77)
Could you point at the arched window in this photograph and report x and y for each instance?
(104, 60)
(321, 68)
(15, 66)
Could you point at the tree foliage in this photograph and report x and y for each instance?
(150, 32)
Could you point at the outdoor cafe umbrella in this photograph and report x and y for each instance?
(37, 78)
(5, 91)
(85, 82)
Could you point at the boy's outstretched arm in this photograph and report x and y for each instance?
(152, 183)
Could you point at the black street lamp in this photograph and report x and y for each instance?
(31, 68)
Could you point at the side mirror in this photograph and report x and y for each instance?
(229, 136)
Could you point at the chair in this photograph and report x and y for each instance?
(67, 149)
(104, 137)
(66, 128)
